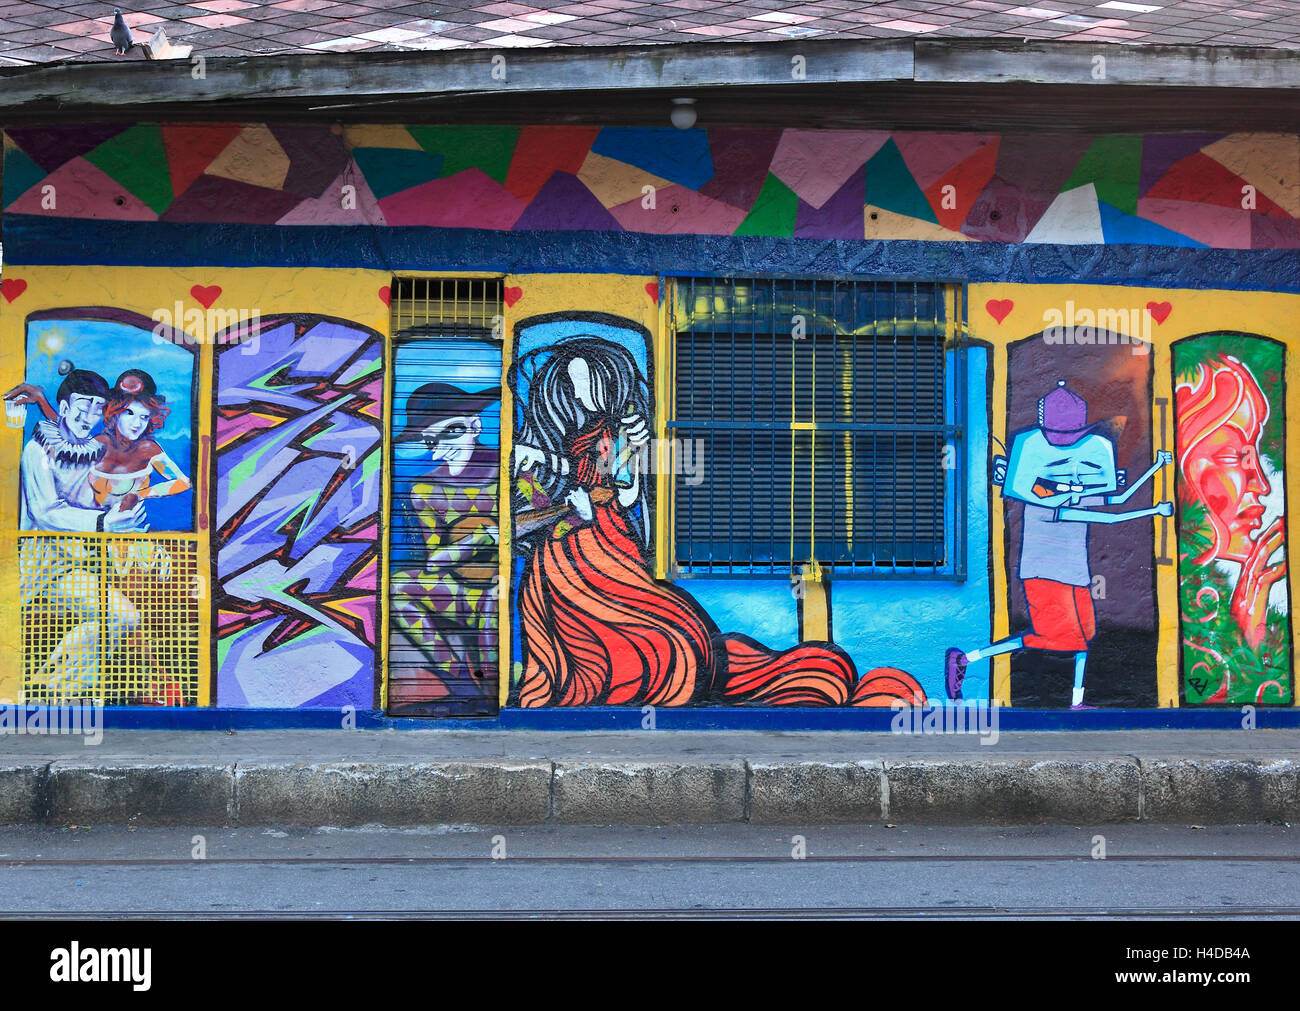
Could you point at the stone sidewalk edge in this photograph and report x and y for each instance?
(504, 791)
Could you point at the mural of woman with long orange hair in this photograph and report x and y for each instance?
(1222, 415)
(596, 627)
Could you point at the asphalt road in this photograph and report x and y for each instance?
(904, 872)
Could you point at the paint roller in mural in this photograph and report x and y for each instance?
(298, 451)
(1236, 642)
(1062, 470)
(106, 615)
(446, 471)
(595, 627)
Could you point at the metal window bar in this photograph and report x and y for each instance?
(421, 305)
(891, 509)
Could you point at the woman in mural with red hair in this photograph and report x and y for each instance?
(596, 627)
(1221, 416)
(135, 412)
(1236, 641)
(135, 467)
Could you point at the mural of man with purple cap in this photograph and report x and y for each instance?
(1061, 470)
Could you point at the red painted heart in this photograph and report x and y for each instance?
(1159, 311)
(652, 289)
(206, 296)
(513, 295)
(12, 287)
(999, 308)
(386, 295)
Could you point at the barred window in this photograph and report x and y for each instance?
(825, 419)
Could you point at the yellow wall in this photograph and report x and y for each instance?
(354, 295)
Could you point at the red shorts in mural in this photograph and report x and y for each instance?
(1061, 615)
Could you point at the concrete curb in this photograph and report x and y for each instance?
(1010, 793)
(648, 793)
(1221, 791)
(24, 793)
(90, 793)
(504, 792)
(514, 791)
(794, 793)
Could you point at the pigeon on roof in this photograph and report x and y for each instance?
(121, 34)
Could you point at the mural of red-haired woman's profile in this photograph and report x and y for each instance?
(1230, 442)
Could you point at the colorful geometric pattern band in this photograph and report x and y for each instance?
(1233, 191)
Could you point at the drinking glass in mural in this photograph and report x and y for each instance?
(107, 612)
(1231, 444)
(596, 627)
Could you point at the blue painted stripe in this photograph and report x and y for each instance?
(33, 239)
(703, 718)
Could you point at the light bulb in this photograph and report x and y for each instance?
(683, 113)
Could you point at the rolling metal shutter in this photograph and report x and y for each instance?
(444, 527)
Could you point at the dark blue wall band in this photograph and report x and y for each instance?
(721, 718)
(33, 240)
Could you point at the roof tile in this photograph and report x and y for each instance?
(218, 20)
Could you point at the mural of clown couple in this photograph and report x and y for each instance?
(99, 458)
(594, 627)
(77, 479)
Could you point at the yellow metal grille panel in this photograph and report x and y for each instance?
(111, 618)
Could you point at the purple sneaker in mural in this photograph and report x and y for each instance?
(1081, 706)
(954, 671)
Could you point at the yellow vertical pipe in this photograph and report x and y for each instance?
(812, 457)
(206, 528)
(662, 343)
(505, 517)
(816, 625)
(1291, 370)
(13, 363)
(1001, 674)
(386, 503)
(1162, 490)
